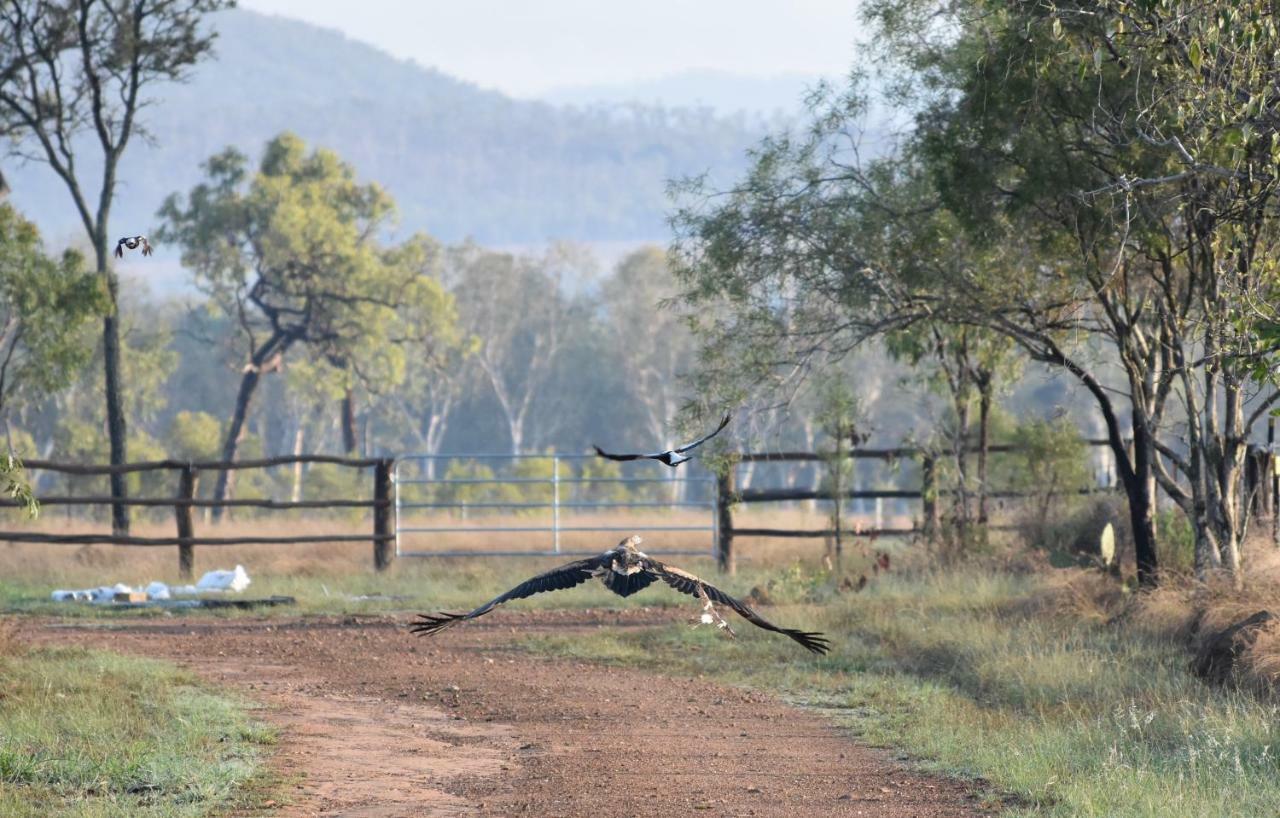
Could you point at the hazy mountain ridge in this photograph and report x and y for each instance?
(724, 92)
(460, 160)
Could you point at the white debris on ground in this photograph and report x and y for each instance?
(222, 580)
(236, 580)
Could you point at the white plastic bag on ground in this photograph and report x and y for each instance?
(236, 580)
(157, 590)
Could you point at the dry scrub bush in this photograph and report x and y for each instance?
(10, 643)
(1261, 662)
(1190, 612)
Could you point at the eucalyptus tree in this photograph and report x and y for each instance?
(292, 252)
(1095, 182)
(44, 303)
(436, 381)
(1139, 140)
(1207, 107)
(517, 311)
(74, 79)
(652, 340)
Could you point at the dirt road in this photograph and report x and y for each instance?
(377, 724)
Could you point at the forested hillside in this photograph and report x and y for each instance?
(460, 161)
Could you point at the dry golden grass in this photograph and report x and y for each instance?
(83, 565)
(1190, 612)
(10, 644)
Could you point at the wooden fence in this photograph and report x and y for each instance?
(1261, 478)
(184, 500)
(928, 493)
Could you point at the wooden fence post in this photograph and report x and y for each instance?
(1274, 480)
(929, 496)
(382, 515)
(724, 528)
(182, 513)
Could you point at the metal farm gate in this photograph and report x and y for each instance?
(439, 498)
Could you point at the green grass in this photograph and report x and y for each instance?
(410, 584)
(89, 734)
(966, 674)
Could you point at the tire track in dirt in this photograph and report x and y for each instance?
(375, 724)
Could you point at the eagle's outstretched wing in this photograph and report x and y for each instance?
(695, 444)
(687, 583)
(120, 248)
(603, 453)
(557, 579)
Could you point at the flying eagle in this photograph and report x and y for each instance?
(623, 570)
(133, 242)
(672, 457)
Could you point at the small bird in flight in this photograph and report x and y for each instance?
(133, 243)
(624, 570)
(672, 457)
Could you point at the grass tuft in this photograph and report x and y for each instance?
(85, 734)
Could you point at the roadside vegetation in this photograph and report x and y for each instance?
(1063, 693)
(90, 733)
(1061, 689)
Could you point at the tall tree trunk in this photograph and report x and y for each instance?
(272, 351)
(117, 433)
(984, 443)
(348, 422)
(960, 451)
(235, 434)
(517, 435)
(296, 493)
(436, 425)
(1138, 487)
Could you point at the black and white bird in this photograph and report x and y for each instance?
(133, 243)
(624, 570)
(672, 457)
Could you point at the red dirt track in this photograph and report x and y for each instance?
(377, 724)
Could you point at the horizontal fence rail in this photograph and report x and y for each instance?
(184, 500)
(196, 502)
(200, 465)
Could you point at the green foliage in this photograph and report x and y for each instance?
(44, 304)
(1177, 541)
(465, 492)
(291, 249)
(539, 469)
(603, 469)
(194, 436)
(329, 481)
(14, 485)
(1052, 458)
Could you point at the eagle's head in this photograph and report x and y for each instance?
(631, 543)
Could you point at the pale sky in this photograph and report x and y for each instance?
(528, 47)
